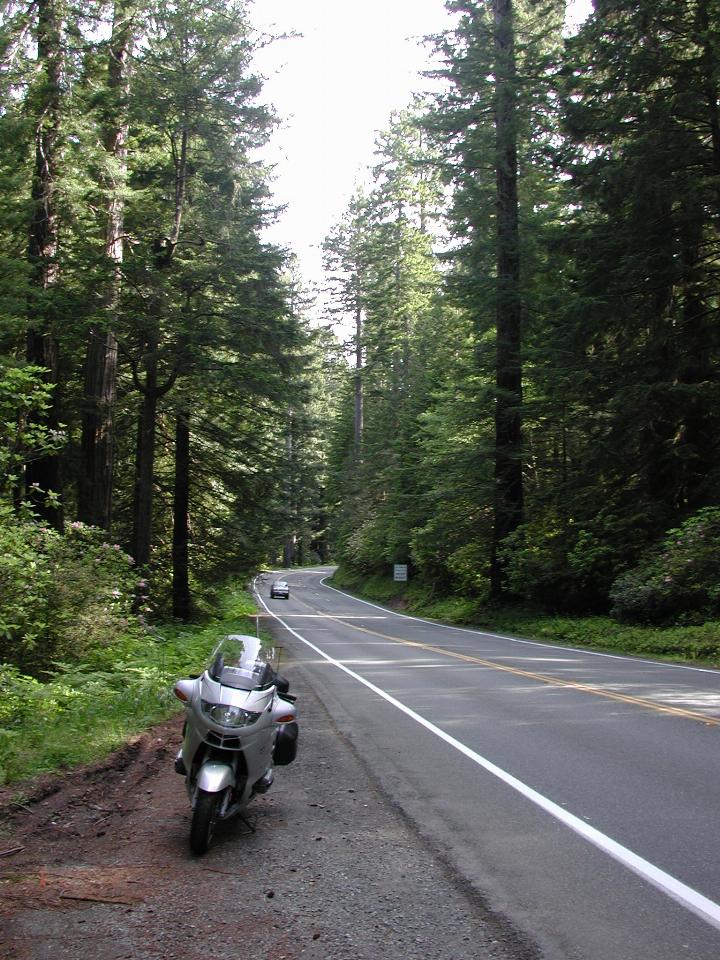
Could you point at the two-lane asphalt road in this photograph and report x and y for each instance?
(578, 792)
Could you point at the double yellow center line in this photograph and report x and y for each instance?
(530, 675)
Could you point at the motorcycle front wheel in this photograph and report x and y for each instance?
(203, 820)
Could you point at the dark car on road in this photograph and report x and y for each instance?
(279, 590)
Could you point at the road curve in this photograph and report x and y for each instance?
(576, 791)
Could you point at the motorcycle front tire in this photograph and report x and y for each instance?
(203, 820)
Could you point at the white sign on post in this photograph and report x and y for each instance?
(401, 572)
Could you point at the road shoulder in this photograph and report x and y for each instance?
(332, 870)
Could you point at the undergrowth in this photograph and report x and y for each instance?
(86, 710)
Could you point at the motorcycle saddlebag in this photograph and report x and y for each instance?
(285, 748)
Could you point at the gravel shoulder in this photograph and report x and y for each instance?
(97, 862)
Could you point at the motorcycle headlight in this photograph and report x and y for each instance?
(227, 716)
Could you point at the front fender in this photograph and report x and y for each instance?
(213, 777)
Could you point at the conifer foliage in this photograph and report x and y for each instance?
(561, 417)
(527, 406)
(137, 280)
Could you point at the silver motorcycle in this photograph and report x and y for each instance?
(240, 722)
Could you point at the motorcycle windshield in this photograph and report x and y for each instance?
(242, 662)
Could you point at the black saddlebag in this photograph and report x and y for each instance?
(285, 748)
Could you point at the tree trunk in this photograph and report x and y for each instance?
(289, 550)
(145, 461)
(145, 456)
(708, 61)
(696, 439)
(97, 446)
(508, 499)
(358, 418)
(96, 475)
(42, 476)
(181, 520)
(291, 539)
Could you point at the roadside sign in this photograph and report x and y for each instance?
(400, 572)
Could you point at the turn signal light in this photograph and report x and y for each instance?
(288, 718)
(180, 694)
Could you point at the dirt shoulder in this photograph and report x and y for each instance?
(96, 862)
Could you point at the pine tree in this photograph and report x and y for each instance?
(390, 280)
(490, 125)
(95, 482)
(641, 112)
(42, 476)
(146, 275)
(193, 94)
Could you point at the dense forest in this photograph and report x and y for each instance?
(156, 368)
(533, 410)
(527, 405)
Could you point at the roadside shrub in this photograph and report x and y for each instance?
(83, 711)
(62, 597)
(451, 550)
(364, 547)
(449, 609)
(558, 563)
(26, 576)
(534, 557)
(16, 695)
(468, 565)
(93, 591)
(678, 582)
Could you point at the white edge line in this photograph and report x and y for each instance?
(681, 893)
(532, 643)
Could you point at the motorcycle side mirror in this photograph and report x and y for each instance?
(281, 684)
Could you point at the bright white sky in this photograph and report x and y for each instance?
(334, 88)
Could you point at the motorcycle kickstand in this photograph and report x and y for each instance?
(251, 827)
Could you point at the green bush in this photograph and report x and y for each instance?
(62, 597)
(26, 580)
(16, 695)
(86, 710)
(451, 550)
(679, 582)
(560, 564)
(469, 569)
(25, 398)
(448, 609)
(364, 548)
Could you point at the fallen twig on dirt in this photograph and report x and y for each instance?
(77, 896)
(9, 853)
